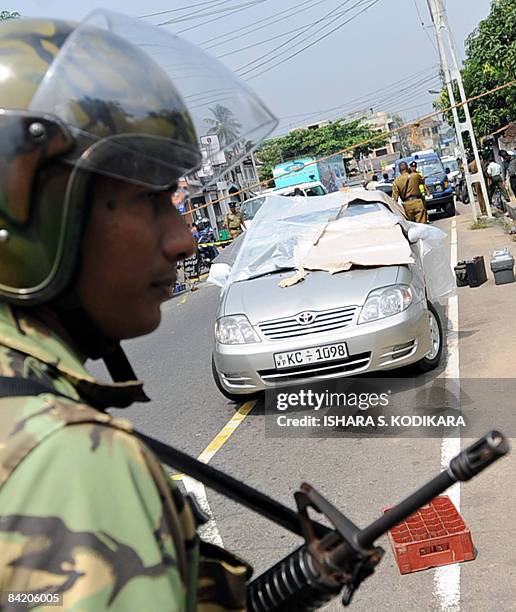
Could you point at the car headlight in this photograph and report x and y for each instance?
(386, 302)
(235, 329)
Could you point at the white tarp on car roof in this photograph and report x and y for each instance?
(372, 239)
(319, 233)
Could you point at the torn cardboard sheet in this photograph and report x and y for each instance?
(376, 240)
(375, 246)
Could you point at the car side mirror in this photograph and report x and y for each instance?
(418, 231)
(447, 170)
(219, 274)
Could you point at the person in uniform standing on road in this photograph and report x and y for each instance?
(234, 221)
(407, 188)
(89, 243)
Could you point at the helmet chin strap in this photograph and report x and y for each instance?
(91, 342)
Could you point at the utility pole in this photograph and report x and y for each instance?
(447, 48)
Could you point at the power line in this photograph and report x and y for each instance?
(258, 43)
(424, 28)
(366, 96)
(230, 11)
(265, 20)
(202, 12)
(305, 28)
(206, 11)
(176, 10)
(372, 102)
(376, 137)
(312, 43)
(364, 100)
(213, 96)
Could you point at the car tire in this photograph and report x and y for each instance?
(449, 209)
(431, 361)
(238, 398)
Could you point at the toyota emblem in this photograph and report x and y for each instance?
(305, 318)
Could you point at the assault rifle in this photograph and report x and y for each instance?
(330, 560)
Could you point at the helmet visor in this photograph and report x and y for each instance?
(146, 106)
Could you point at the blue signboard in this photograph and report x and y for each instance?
(295, 172)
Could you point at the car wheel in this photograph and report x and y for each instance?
(449, 209)
(238, 398)
(432, 359)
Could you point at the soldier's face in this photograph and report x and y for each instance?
(132, 242)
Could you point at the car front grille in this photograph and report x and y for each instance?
(312, 370)
(437, 188)
(323, 321)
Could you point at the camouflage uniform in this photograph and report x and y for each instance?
(85, 508)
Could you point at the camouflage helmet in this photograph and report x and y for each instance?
(96, 97)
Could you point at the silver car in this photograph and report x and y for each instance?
(328, 326)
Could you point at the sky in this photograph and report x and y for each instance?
(384, 58)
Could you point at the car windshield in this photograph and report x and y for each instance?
(251, 207)
(453, 165)
(284, 227)
(430, 168)
(356, 209)
(317, 190)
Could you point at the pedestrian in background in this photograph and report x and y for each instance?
(407, 188)
(373, 183)
(495, 175)
(509, 169)
(477, 188)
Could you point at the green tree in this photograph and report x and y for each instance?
(9, 15)
(224, 124)
(318, 142)
(490, 61)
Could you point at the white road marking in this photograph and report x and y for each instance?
(210, 532)
(447, 577)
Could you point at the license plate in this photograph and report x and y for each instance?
(315, 354)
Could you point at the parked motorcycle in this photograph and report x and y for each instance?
(207, 253)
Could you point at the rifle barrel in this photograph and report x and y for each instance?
(468, 463)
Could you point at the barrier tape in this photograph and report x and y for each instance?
(378, 136)
(221, 242)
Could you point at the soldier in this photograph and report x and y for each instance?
(407, 187)
(234, 221)
(88, 249)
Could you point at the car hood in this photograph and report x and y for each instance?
(261, 299)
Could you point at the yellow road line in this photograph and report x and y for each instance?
(223, 436)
